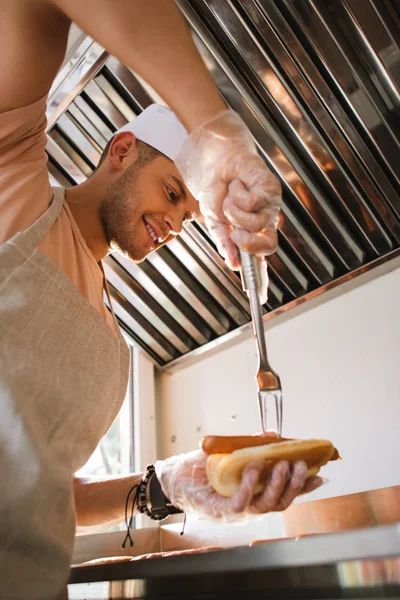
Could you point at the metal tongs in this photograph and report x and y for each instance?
(254, 280)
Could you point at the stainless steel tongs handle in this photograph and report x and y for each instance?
(255, 282)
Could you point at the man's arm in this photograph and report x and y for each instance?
(100, 501)
(33, 40)
(149, 36)
(152, 38)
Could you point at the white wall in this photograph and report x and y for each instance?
(339, 365)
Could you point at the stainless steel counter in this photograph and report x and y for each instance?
(359, 564)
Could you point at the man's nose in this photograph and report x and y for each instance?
(175, 221)
(176, 230)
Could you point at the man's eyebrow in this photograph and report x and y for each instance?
(181, 186)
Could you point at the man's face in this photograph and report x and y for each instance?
(146, 207)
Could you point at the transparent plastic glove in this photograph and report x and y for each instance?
(184, 481)
(239, 196)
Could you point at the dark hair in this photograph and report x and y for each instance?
(146, 154)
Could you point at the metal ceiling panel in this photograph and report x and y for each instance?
(317, 82)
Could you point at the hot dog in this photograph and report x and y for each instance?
(229, 455)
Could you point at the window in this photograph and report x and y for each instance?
(114, 454)
(128, 447)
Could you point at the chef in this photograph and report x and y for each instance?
(63, 360)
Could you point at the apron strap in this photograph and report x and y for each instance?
(31, 237)
(107, 291)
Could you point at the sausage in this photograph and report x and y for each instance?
(225, 444)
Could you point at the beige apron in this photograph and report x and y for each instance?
(63, 376)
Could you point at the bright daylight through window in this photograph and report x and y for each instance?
(114, 454)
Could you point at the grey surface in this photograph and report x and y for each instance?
(363, 563)
(317, 82)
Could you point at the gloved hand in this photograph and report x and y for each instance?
(184, 481)
(239, 197)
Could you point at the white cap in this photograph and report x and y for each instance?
(159, 127)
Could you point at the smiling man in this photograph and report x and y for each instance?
(137, 192)
(58, 400)
(135, 201)
(64, 364)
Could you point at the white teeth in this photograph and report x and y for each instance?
(152, 233)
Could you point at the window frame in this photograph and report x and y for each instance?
(91, 544)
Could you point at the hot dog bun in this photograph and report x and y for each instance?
(224, 470)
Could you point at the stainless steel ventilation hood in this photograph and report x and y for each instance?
(317, 82)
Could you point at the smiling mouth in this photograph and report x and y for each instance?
(152, 233)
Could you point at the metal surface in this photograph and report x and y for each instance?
(317, 82)
(329, 515)
(342, 513)
(254, 277)
(347, 282)
(361, 564)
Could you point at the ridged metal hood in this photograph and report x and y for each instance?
(317, 82)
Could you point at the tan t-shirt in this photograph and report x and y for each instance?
(25, 193)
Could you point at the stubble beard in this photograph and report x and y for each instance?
(120, 211)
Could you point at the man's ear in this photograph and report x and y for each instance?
(123, 150)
